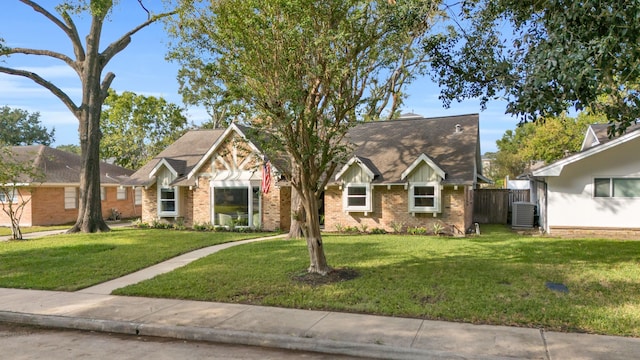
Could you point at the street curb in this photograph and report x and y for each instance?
(373, 351)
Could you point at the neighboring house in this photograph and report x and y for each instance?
(54, 197)
(412, 171)
(595, 192)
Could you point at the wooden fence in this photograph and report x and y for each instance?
(493, 206)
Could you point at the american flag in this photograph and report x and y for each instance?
(266, 177)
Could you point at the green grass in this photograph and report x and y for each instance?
(75, 261)
(496, 278)
(6, 231)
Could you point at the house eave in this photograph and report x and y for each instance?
(556, 168)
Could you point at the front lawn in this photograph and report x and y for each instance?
(74, 261)
(496, 278)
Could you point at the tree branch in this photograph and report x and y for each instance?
(119, 45)
(69, 29)
(49, 53)
(46, 84)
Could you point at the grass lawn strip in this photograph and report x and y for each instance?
(75, 261)
(495, 278)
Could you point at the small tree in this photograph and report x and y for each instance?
(14, 175)
(306, 72)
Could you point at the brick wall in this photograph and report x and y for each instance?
(595, 232)
(125, 207)
(271, 209)
(149, 203)
(26, 218)
(392, 206)
(202, 202)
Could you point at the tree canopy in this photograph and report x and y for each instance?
(135, 128)
(546, 57)
(21, 128)
(305, 71)
(546, 140)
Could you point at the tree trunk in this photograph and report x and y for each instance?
(16, 232)
(298, 216)
(90, 207)
(318, 261)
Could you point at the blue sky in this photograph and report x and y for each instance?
(141, 68)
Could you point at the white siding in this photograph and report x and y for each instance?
(356, 174)
(570, 195)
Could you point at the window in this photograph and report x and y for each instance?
(103, 193)
(616, 187)
(168, 205)
(236, 205)
(8, 196)
(138, 196)
(121, 194)
(357, 197)
(70, 198)
(424, 197)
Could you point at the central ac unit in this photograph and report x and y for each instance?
(522, 214)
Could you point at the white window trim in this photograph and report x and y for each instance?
(368, 196)
(103, 193)
(13, 198)
(137, 193)
(74, 198)
(176, 200)
(237, 185)
(437, 194)
(121, 193)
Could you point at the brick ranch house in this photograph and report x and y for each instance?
(53, 200)
(413, 172)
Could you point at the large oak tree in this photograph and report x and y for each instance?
(88, 61)
(306, 71)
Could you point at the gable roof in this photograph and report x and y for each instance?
(61, 167)
(363, 163)
(450, 142)
(598, 134)
(183, 155)
(555, 169)
(384, 148)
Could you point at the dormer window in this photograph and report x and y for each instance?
(424, 177)
(424, 197)
(356, 178)
(168, 202)
(357, 197)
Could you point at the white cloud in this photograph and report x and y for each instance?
(52, 72)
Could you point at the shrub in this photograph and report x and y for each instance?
(417, 230)
(378, 231)
(397, 226)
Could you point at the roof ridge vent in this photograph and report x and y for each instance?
(458, 128)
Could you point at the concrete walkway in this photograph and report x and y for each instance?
(322, 331)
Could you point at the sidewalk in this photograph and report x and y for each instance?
(321, 331)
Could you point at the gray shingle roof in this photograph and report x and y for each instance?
(182, 155)
(601, 131)
(386, 147)
(392, 146)
(61, 167)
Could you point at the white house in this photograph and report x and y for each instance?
(595, 192)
